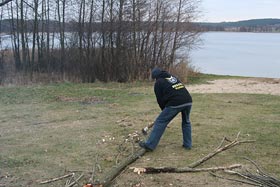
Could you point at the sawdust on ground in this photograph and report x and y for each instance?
(250, 85)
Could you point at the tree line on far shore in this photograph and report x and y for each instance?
(252, 25)
(104, 40)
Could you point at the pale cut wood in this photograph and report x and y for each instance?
(152, 170)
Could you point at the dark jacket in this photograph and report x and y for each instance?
(170, 91)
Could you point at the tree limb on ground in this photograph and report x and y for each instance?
(190, 168)
(258, 178)
(106, 181)
(219, 150)
(140, 152)
(116, 170)
(152, 170)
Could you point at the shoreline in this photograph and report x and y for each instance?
(252, 85)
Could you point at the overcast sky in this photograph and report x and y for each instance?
(235, 10)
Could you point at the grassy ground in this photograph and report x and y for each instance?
(48, 130)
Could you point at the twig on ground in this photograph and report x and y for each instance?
(222, 142)
(75, 181)
(57, 178)
(259, 178)
(235, 180)
(94, 168)
(242, 176)
(260, 171)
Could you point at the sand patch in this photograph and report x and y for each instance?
(251, 85)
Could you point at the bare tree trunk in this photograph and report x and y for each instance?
(61, 19)
(111, 43)
(172, 55)
(90, 49)
(35, 35)
(134, 60)
(155, 33)
(48, 37)
(81, 24)
(2, 71)
(23, 37)
(119, 65)
(41, 43)
(15, 34)
(103, 35)
(162, 39)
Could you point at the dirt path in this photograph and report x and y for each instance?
(251, 85)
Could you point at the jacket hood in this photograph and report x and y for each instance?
(158, 73)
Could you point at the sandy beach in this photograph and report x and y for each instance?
(251, 86)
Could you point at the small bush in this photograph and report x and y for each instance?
(183, 70)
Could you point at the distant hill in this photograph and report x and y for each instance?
(254, 25)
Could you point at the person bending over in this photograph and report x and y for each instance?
(173, 98)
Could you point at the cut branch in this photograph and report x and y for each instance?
(152, 170)
(235, 180)
(219, 150)
(261, 172)
(259, 178)
(148, 170)
(116, 170)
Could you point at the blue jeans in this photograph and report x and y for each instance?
(167, 114)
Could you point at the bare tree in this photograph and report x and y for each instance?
(61, 5)
(111, 40)
(35, 35)
(15, 36)
(24, 39)
(90, 51)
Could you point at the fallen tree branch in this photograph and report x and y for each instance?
(95, 167)
(152, 170)
(57, 178)
(235, 180)
(116, 170)
(242, 176)
(222, 142)
(219, 150)
(258, 178)
(190, 168)
(111, 175)
(261, 172)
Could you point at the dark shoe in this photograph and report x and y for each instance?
(187, 148)
(144, 146)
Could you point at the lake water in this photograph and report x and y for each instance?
(241, 54)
